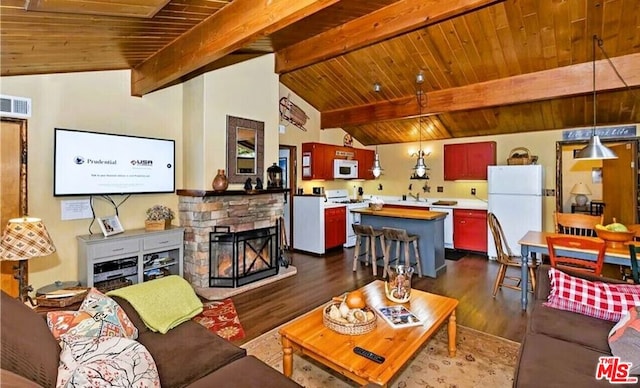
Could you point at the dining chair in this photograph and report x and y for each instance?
(577, 224)
(507, 259)
(634, 252)
(576, 243)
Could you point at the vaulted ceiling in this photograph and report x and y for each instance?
(489, 66)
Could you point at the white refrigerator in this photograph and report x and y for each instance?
(515, 197)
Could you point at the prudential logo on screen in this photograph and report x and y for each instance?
(78, 160)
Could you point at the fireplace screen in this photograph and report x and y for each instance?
(239, 258)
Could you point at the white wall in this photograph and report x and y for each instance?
(248, 90)
(94, 101)
(193, 114)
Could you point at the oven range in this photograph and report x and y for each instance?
(342, 196)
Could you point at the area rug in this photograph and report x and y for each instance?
(221, 318)
(219, 293)
(482, 360)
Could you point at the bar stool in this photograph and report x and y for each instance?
(399, 236)
(369, 235)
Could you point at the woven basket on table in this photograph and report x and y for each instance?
(522, 156)
(375, 206)
(347, 328)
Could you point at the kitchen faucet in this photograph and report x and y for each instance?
(416, 196)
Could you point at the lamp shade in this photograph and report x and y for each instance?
(596, 150)
(25, 238)
(580, 188)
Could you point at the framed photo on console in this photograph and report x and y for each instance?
(110, 225)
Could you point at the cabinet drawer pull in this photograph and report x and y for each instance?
(163, 242)
(117, 250)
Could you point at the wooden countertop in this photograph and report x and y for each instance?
(412, 214)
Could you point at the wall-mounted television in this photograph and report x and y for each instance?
(92, 163)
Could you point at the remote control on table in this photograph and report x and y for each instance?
(368, 354)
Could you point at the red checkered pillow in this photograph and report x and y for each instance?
(596, 299)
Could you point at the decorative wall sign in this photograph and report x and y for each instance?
(347, 140)
(292, 113)
(603, 132)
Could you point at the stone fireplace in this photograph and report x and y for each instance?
(237, 211)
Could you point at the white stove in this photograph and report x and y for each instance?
(342, 197)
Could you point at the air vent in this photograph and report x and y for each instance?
(16, 107)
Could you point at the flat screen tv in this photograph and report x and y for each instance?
(92, 163)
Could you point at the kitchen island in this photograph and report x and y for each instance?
(428, 225)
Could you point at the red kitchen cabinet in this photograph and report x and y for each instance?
(468, 160)
(335, 227)
(317, 161)
(470, 230)
(365, 162)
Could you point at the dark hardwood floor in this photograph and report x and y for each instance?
(469, 280)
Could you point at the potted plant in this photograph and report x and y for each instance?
(158, 217)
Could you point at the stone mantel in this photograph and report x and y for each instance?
(211, 193)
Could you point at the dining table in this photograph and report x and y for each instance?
(534, 242)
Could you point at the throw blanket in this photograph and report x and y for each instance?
(162, 303)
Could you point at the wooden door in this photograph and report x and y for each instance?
(13, 187)
(619, 184)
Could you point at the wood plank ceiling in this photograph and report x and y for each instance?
(490, 67)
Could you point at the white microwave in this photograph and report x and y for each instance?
(345, 169)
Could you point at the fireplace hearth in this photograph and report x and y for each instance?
(240, 258)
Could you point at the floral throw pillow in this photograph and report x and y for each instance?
(601, 300)
(105, 362)
(99, 315)
(624, 339)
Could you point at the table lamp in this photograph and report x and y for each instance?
(580, 190)
(25, 238)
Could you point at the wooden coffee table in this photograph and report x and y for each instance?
(308, 335)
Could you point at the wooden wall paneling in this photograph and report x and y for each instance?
(13, 188)
(619, 184)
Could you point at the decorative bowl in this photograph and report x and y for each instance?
(615, 239)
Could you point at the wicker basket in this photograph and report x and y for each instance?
(348, 328)
(375, 206)
(63, 302)
(521, 158)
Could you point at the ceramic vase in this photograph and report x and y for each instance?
(220, 182)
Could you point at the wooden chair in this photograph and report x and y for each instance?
(369, 235)
(634, 250)
(399, 237)
(507, 259)
(576, 243)
(577, 224)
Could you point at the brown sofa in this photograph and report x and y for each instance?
(188, 355)
(561, 348)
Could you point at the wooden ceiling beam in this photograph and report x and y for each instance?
(543, 85)
(231, 28)
(390, 21)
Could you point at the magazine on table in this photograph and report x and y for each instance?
(399, 316)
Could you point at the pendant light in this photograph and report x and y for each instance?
(595, 149)
(376, 169)
(420, 168)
